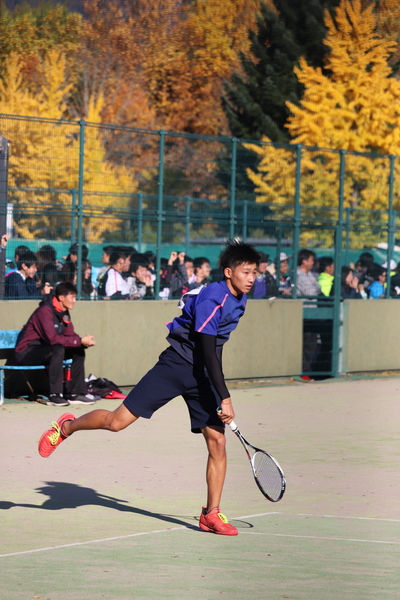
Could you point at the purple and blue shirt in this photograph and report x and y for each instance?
(213, 311)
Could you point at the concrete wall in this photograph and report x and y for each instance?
(131, 335)
(267, 342)
(371, 335)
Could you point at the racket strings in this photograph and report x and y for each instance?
(268, 475)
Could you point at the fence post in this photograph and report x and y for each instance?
(82, 124)
(297, 217)
(73, 215)
(391, 225)
(338, 269)
(140, 222)
(233, 189)
(159, 210)
(348, 225)
(278, 255)
(187, 223)
(4, 153)
(244, 224)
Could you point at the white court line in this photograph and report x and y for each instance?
(110, 539)
(121, 537)
(130, 535)
(314, 537)
(340, 517)
(259, 515)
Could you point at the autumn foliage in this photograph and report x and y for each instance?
(162, 64)
(355, 108)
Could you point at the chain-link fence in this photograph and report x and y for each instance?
(95, 185)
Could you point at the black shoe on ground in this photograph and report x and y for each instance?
(80, 399)
(57, 400)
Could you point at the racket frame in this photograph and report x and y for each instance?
(245, 444)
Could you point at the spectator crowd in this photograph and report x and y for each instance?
(128, 274)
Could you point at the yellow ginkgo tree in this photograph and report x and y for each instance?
(44, 160)
(355, 108)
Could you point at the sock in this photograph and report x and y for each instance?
(62, 428)
(206, 512)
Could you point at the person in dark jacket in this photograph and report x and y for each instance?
(265, 284)
(349, 284)
(49, 338)
(21, 284)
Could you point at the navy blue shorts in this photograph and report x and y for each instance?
(174, 376)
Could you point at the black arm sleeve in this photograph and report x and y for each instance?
(213, 365)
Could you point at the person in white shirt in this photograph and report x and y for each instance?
(116, 286)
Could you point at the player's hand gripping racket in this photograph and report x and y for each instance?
(267, 473)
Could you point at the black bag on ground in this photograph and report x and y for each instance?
(101, 387)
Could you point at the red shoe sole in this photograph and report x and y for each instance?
(208, 529)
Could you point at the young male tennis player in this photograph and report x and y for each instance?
(190, 367)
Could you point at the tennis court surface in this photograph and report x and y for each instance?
(114, 516)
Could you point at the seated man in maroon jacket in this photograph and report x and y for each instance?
(49, 338)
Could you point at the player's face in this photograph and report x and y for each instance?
(240, 280)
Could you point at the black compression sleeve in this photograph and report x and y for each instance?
(213, 365)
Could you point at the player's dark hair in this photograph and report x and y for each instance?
(108, 249)
(238, 253)
(28, 258)
(64, 288)
(304, 254)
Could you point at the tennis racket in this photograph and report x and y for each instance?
(266, 471)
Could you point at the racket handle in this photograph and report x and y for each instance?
(232, 424)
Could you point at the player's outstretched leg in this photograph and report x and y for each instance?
(211, 518)
(97, 419)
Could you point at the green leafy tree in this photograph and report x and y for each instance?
(255, 102)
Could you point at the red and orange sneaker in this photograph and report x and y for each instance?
(216, 522)
(54, 436)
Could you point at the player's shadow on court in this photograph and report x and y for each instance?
(63, 495)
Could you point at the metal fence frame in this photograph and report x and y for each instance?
(235, 206)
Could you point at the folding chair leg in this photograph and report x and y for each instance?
(1, 386)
